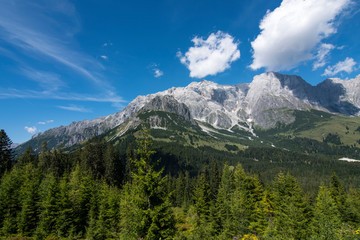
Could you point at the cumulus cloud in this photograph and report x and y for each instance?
(322, 54)
(292, 32)
(158, 72)
(348, 65)
(104, 57)
(210, 56)
(75, 108)
(31, 130)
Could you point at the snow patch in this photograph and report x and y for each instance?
(348, 159)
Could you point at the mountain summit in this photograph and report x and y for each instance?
(269, 99)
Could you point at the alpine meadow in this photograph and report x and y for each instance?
(180, 119)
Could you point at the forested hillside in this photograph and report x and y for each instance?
(100, 192)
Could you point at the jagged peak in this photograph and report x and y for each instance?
(285, 80)
(203, 83)
(330, 81)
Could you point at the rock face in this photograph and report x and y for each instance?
(168, 103)
(264, 102)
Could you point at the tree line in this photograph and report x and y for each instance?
(94, 193)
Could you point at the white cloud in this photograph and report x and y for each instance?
(31, 130)
(47, 80)
(291, 32)
(347, 65)
(107, 44)
(29, 28)
(210, 56)
(158, 72)
(74, 108)
(46, 122)
(104, 57)
(322, 54)
(68, 96)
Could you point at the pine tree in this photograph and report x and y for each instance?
(113, 166)
(187, 190)
(223, 202)
(92, 157)
(28, 156)
(292, 212)
(44, 158)
(354, 206)
(248, 191)
(65, 220)
(6, 152)
(338, 194)
(29, 192)
(10, 200)
(151, 211)
(179, 190)
(263, 214)
(81, 190)
(215, 178)
(50, 208)
(202, 205)
(326, 216)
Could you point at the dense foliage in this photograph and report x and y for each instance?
(97, 193)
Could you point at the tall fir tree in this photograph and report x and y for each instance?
(202, 204)
(27, 157)
(247, 192)
(151, 209)
(327, 219)
(10, 200)
(338, 194)
(6, 152)
(50, 208)
(44, 157)
(292, 213)
(263, 214)
(223, 202)
(30, 198)
(65, 220)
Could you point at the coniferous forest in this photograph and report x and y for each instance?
(96, 193)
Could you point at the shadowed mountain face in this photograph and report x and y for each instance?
(333, 96)
(268, 100)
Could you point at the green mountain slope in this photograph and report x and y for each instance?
(189, 146)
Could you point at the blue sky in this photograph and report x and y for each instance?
(64, 61)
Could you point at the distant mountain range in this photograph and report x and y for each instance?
(269, 101)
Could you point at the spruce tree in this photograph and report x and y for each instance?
(202, 205)
(338, 194)
(50, 208)
(29, 192)
(44, 157)
(292, 212)
(6, 152)
(326, 221)
(179, 190)
(113, 166)
(223, 202)
(27, 157)
(10, 201)
(263, 214)
(81, 185)
(65, 220)
(150, 208)
(248, 191)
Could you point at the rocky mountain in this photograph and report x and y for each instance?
(268, 100)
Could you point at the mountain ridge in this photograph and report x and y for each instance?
(261, 103)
